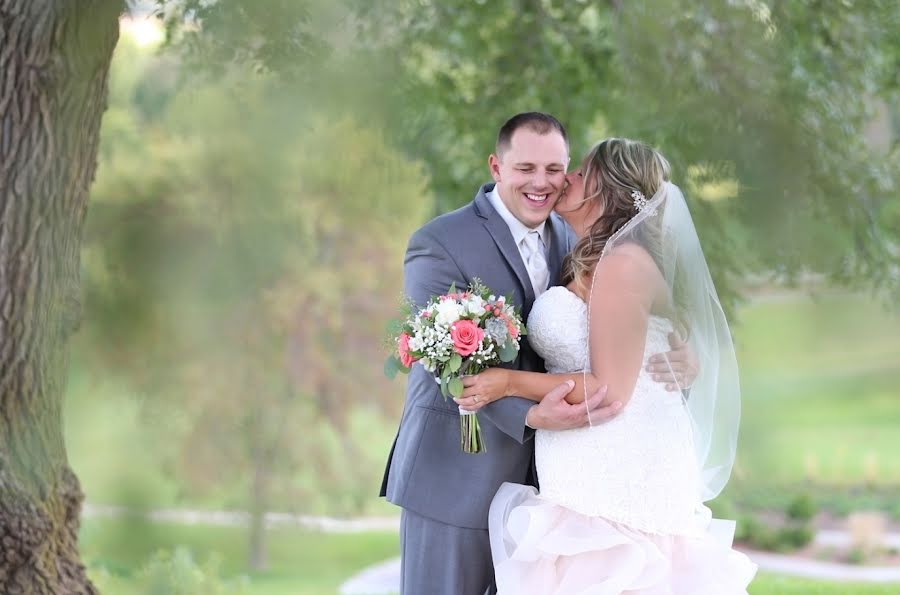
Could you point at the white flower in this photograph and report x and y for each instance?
(475, 305)
(448, 312)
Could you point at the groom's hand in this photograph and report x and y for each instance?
(682, 367)
(555, 413)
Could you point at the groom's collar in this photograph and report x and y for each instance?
(488, 199)
(519, 230)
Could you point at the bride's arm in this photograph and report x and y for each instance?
(497, 383)
(618, 331)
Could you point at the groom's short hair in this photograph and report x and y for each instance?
(538, 122)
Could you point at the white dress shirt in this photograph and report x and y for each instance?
(537, 267)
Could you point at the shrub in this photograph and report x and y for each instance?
(802, 508)
(856, 556)
(755, 533)
(794, 537)
(895, 512)
(176, 573)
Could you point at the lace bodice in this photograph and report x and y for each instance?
(557, 330)
(638, 468)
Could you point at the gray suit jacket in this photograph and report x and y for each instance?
(427, 472)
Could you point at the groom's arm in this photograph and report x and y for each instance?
(509, 415)
(678, 368)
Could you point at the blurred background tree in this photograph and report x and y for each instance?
(231, 263)
(760, 107)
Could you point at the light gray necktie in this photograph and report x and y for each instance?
(536, 262)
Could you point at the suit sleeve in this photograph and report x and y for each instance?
(429, 270)
(509, 415)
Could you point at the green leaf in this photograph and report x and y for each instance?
(456, 387)
(455, 362)
(444, 386)
(508, 351)
(392, 365)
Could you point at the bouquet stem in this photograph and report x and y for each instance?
(470, 434)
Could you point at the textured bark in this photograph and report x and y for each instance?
(54, 60)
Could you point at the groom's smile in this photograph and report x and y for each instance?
(531, 173)
(539, 199)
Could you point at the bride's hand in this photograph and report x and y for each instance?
(483, 388)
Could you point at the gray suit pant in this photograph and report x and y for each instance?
(439, 559)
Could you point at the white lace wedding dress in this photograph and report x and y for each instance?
(619, 509)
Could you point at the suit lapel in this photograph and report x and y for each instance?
(499, 231)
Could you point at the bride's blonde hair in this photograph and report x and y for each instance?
(613, 170)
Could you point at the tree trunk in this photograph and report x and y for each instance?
(258, 558)
(54, 60)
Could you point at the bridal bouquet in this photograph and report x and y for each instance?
(454, 335)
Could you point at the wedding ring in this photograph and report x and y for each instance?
(476, 398)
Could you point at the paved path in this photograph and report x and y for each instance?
(827, 571)
(384, 578)
(225, 518)
(381, 579)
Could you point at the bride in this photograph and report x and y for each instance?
(620, 509)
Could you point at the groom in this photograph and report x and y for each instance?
(508, 237)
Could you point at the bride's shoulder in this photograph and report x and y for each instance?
(628, 261)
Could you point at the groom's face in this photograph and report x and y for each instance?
(531, 174)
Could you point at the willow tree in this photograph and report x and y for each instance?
(54, 60)
(761, 107)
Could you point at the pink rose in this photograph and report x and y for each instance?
(406, 357)
(466, 337)
(512, 328)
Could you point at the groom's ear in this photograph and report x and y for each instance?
(494, 165)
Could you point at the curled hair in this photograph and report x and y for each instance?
(612, 171)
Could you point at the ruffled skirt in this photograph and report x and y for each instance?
(542, 548)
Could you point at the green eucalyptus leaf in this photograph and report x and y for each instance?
(392, 365)
(508, 351)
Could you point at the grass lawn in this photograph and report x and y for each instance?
(821, 401)
(304, 563)
(767, 584)
(300, 562)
